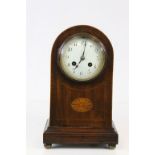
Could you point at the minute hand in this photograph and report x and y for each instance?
(82, 57)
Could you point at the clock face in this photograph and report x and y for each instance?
(82, 57)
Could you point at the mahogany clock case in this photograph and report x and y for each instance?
(67, 125)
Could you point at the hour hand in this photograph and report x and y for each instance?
(81, 59)
(75, 67)
(77, 64)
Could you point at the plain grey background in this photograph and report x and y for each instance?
(46, 19)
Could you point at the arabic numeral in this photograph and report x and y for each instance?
(75, 44)
(97, 49)
(89, 71)
(82, 42)
(69, 49)
(66, 56)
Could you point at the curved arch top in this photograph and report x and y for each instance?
(83, 29)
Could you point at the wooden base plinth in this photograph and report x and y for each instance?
(79, 135)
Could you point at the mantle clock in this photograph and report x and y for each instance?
(81, 89)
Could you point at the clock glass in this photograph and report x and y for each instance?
(82, 57)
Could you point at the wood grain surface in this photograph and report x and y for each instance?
(96, 113)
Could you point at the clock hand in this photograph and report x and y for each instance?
(84, 50)
(78, 64)
(82, 57)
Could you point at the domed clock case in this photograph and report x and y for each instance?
(80, 111)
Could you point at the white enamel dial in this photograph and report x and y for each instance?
(82, 57)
